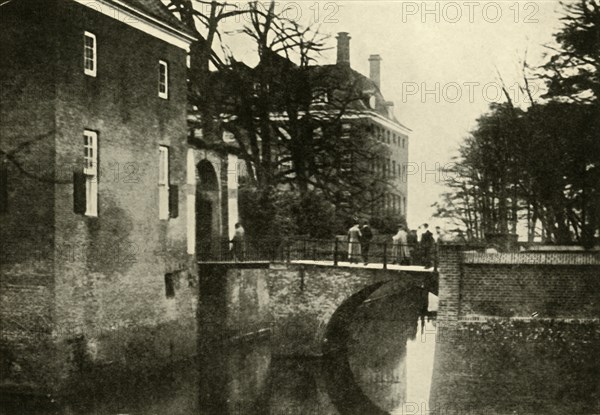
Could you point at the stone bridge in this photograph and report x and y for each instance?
(293, 302)
(299, 303)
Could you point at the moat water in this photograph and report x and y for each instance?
(391, 365)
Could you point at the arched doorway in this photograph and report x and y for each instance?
(207, 211)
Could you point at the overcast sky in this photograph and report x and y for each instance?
(439, 66)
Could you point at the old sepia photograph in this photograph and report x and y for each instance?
(299, 207)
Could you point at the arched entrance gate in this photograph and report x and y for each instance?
(207, 211)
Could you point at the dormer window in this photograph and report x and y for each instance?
(323, 97)
(255, 89)
(372, 101)
(163, 80)
(89, 54)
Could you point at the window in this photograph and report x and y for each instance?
(393, 168)
(169, 286)
(90, 171)
(322, 97)
(255, 89)
(89, 54)
(163, 183)
(163, 80)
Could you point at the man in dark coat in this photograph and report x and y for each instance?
(365, 241)
(427, 246)
(413, 244)
(239, 243)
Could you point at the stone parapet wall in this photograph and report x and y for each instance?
(518, 285)
(533, 258)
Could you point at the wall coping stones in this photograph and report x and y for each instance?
(484, 319)
(532, 258)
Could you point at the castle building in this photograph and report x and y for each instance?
(103, 201)
(322, 97)
(385, 127)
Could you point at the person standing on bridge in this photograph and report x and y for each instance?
(413, 247)
(367, 235)
(354, 236)
(238, 242)
(427, 246)
(400, 246)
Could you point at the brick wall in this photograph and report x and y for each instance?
(494, 355)
(26, 348)
(108, 296)
(568, 291)
(27, 131)
(450, 276)
(113, 291)
(540, 285)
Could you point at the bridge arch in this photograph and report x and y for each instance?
(343, 386)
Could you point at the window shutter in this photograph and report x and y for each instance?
(79, 202)
(173, 201)
(3, 187)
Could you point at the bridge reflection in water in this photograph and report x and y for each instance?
(373, 366)
(372, 373)
(381, 364)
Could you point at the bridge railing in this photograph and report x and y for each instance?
(337, 251)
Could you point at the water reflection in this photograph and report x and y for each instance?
(382, 366)
(391, 361)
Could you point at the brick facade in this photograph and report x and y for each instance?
(516, 331)
(518, 285)
(94, 286)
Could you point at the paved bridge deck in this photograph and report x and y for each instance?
(340, 264)
(344, 264)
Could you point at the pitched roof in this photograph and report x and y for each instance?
(157, 10)
(336, 75)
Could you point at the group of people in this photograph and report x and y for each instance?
(414, 247)
(408, 247)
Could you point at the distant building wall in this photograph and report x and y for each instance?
(395, 168)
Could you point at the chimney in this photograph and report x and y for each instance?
(343, 48)
(389, 105)
(375, 69)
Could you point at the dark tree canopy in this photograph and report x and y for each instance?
(289, 118)
(539, 166)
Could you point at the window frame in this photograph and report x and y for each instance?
(93, 72)
(163, 182)
(163, 79)
(90, 170)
